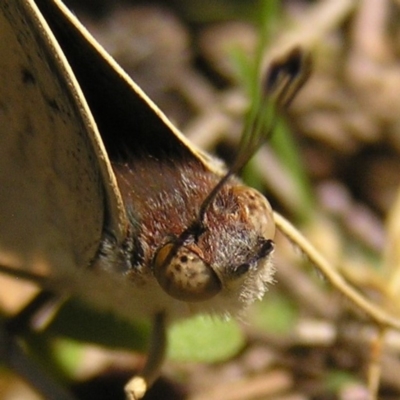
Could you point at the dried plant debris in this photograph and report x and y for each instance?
(304, 341)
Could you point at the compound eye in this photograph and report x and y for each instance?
(186, 276)
(267, 248)
(242, 269)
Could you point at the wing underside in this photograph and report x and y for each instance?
(51, 184)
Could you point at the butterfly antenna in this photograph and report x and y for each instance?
(283, 79)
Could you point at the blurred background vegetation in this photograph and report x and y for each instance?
(332, 167)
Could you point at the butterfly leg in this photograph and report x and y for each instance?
(13, 355)
(136, 388)
(24, 318)
(25, 275)
(45, 300)
(15, 359)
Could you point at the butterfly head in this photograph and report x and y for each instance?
(226, 255)
(226, 252)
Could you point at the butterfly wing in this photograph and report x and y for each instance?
(130, 124)
(53, 167)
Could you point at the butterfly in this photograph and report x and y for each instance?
(103, 198)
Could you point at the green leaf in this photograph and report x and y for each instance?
(335, 380)
(78, 321)
(284, 145)
(276, 314)
(205, 339)
(68, 355)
